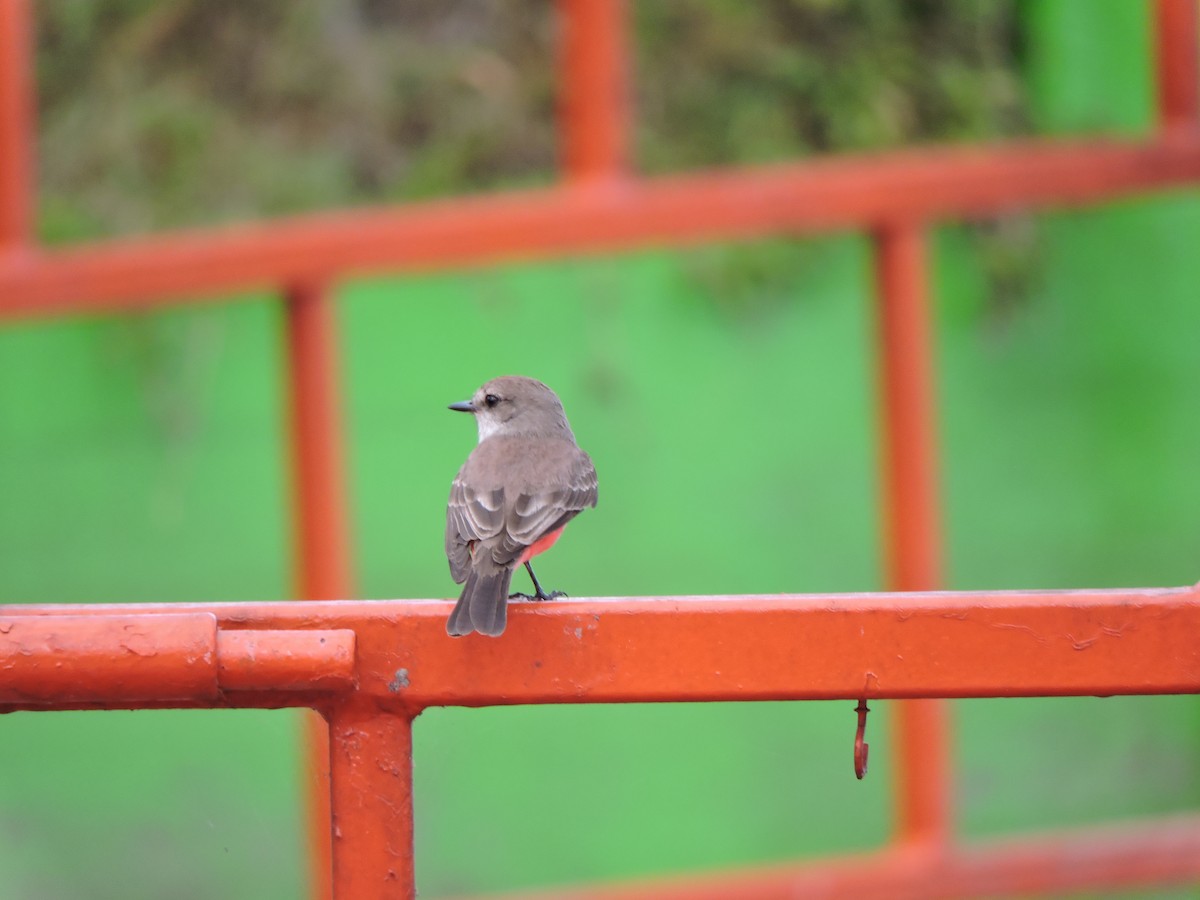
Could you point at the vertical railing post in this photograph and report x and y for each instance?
(912, 555)
(321, 555)
(1177, 46)
(16, 125)
(370, 757)
(594, 104)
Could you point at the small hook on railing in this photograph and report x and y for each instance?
(860, 744)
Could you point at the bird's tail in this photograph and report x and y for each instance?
(483, 606)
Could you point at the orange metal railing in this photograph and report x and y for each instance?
(368, 669)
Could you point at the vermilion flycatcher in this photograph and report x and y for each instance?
(523, 482)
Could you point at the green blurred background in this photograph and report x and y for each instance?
(141, 455)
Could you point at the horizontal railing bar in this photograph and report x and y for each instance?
(820, 646)
(844, 193)
(173, 657)
(114, 657)
(286, 659)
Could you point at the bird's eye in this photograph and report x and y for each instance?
(491, 400)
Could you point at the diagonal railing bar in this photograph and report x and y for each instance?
(842, 193)
(1161, 852)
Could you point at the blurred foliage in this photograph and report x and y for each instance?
(156, 114)
(721, 81)
(164, 113)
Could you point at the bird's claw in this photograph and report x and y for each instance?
(539, 596)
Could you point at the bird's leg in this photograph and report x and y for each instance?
(540, 594)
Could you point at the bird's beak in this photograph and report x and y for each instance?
(465, 406)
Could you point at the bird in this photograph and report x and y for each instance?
(520, 486)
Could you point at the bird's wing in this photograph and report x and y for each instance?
(471, 516)
(538, 512)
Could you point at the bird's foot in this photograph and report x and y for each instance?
(539, 596)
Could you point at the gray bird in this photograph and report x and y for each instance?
(523, 482)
